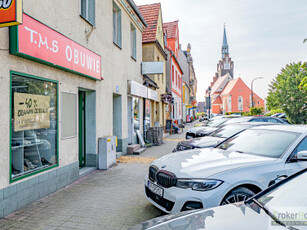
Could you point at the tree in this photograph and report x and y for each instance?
(286, 93)
(303, 84)
(256, 110)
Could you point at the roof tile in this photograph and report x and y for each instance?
(151, 16)
(170, 29)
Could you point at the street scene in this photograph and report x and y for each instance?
(153, 114)
(114, 198)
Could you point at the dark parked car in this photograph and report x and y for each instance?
(281, 206)
(206, 130)
(217, 136)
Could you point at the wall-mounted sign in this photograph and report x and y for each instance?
(152, 95)
(31, 111)
(136, 89)
(36, 41)
(156, 67)
(10, 12)
(165, 98)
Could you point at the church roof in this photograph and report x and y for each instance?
(151, 16)
(170, 29)
(217, 101)
(220, 83)
(225, 49)
(230, 86)
(225, 38)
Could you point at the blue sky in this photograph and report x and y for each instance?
(263, 36)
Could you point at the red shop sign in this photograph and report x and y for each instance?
(36, 41)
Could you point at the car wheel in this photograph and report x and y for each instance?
(237, 195)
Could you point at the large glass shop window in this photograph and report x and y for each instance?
(34, 125)
(147, 119)
(136, 113)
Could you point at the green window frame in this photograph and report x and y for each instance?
(43, 167)
(117, 26)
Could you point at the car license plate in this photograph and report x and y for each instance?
(155, 189)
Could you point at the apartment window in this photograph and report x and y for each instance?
(117, 30)
(173, 74)
(176, 78)
(88, 11)
(133, 41)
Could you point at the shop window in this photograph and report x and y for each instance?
(136, 113)
(34, 131)
(88, 11)
(147, 115)
(133, 41)
(117, 30)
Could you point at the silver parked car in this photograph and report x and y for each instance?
(281, 206)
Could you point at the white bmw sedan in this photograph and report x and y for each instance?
(232, 172)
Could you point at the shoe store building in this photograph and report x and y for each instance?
(64, 85)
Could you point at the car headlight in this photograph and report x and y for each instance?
(198, 184)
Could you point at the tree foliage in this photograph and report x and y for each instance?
(286, 93)
(303, 84)
(256, 110)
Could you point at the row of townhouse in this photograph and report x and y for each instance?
(177, 86)
(74, 90)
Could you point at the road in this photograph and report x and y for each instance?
(109, 199)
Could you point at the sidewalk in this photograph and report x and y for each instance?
(111, 199)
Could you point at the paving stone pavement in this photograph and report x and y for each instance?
(106, 199)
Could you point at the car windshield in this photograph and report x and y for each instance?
(268, 143)
(217, 122)
(288, 202)
(229, 130)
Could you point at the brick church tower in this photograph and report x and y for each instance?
(225, 65)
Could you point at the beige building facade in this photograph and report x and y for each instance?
(153, 51)
(44, 152)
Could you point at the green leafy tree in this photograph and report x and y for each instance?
(303, 84)
(286, 93)
(256, 111)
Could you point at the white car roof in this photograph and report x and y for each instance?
(290, 128)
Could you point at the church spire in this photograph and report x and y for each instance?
(225, 44)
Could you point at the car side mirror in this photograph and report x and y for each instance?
(301, 156)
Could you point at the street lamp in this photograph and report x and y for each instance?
(252, 93)
(209, 101)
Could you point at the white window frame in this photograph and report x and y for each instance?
(86, 16)
(229, 104)
(133, 41)
(240, 104)
(117, 30)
